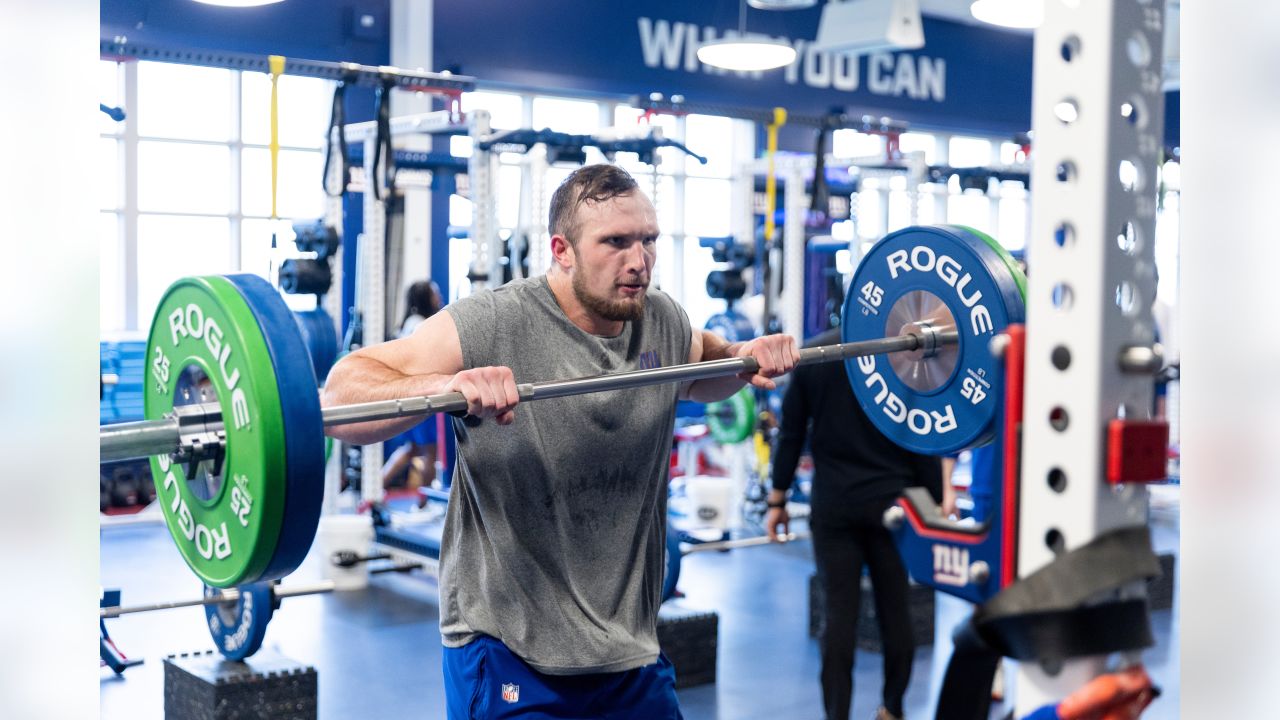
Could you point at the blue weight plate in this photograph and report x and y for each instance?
(303, 424)
(238, 628)
(321, 338)
(943, 274)
(732, 326)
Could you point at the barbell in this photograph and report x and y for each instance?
(235, 431)
(237, 617)
(678, 547)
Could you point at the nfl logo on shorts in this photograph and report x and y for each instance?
(510, 692)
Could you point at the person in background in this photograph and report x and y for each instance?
(858, 473)
(416, 455)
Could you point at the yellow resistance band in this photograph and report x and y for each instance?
(276, 64)
(771, 180)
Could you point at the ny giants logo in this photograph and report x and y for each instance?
(950, 565)
(649, 360)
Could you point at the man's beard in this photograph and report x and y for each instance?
(616, 310)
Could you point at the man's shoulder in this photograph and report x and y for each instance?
(516, 292)
(663, 304)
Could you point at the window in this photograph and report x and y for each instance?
(303, 112)
(870, 204)
(201, 200)
(853, 144)
(576, 117)
(185, 102)
(1011, 154)
(711, 137)
(298, 194)
(173, 246)
(184, 177)
(919, 142)
(971, 208)
(1014, 215)
(968, 152)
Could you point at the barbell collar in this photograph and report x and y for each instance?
(163, 436)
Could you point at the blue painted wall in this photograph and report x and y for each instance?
(965, 78)
(311, 29)
(637, 47)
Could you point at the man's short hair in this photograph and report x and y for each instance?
(588, 184)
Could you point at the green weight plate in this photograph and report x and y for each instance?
(733, 419)
(303, 424)
(206, 346)
(1019, 277)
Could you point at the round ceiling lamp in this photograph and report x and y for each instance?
(746, 54)
(781, 4)
(1022, 14)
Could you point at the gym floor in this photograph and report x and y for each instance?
(377, 650)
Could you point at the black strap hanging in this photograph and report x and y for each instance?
(382, 151)
(337, 119)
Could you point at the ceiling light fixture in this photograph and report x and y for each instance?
(1023, 14)
(239, 3)
(746, 54)
(781, 4)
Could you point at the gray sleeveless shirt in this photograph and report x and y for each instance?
(554, 538)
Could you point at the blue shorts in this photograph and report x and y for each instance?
(485, 680)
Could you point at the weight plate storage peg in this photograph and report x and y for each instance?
(733, 419)
(304, 447)
(732, 326)
(223, 512)
(238, 627)
(949, 278)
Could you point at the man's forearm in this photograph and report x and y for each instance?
(359, 379)
(714, 389)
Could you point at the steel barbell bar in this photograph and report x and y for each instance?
(230, 595)
(164, 436)
(687, 548)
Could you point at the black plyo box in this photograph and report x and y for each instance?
(207, 686)
(1160, 589)
(689, 639)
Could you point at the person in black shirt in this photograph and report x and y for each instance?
(858, 474)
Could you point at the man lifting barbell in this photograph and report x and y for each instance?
(553, 548)
(239, 476)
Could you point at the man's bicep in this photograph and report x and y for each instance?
(433, 348)
(707, 345)
(695, 345)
